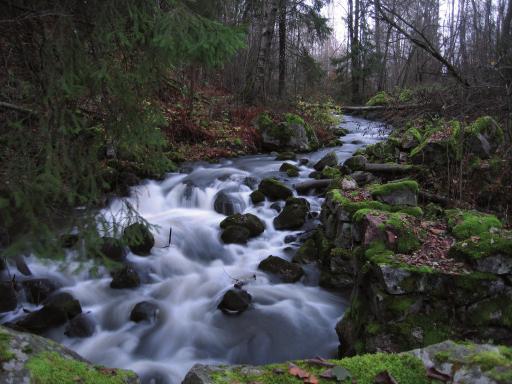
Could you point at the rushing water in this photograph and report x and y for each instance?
(187, 279)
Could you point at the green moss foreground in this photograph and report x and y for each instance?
(471, 361)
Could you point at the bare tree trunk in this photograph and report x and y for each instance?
(282, 47)
(269, 18)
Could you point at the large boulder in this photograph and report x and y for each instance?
(287, 272)
(235, 301)
(139, 239)
(8, 297)
(125, 277)
(397, 193)
(113, 249)
(56, 310)
(31, 359)
(293, 215)
(274, 190)
(144, 311)
(257, 197)
(329, 160)
(227, 204)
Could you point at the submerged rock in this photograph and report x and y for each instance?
(139, 239)
(81, 326)
(257, 197)
(287, 272)
(125, 277)
(38, 290)
(329, 160)
(283, 156)
(57, 309)
(144, 311)
(235, 301)
(228, 204)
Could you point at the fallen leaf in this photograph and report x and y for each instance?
(384, 378)
(297, 372)
(311, 380)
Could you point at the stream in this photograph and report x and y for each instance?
(188, 279)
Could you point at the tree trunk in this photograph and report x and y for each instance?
(282, 47)
(269, 18)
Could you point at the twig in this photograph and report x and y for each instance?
(14, 107)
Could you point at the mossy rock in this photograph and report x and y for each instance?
(464, 224)
(285, 167)
(329, 160)
(235, 235)
(331, 173)
(379, 99)
(307, 253)
(487, 252)
(286, 271)
(139, 239)
(27, 358)
(293, 215)
(257, 197)
(249, 221)
(404, 192)
(274, 189)
(356, 163)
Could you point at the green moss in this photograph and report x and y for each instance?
(412, 211)
(494, 311)
(484, 245)
(292, 173)
(378, 253)
(388, 188)
(464, 224)
(5, 350)
(407, 240)
(265, 121)
(292, 119)
(442, 356)
(50, 368)
(380, 98)
(401, 304)
(486, 125)
(307, 252)
(331, 173)
(373, 328)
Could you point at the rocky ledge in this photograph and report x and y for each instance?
(27, 358)
(447, 362)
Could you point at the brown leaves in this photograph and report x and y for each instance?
(307, 377)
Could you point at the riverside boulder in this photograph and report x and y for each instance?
(403, 192)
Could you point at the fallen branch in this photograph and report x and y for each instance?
(307, 186)
(389, 168)
(14, 107)
(438, 199)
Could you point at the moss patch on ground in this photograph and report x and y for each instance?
(362, 369)
(464, 224)
(50, 368)
(388, 188)
(484, 245)
(5, 351)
